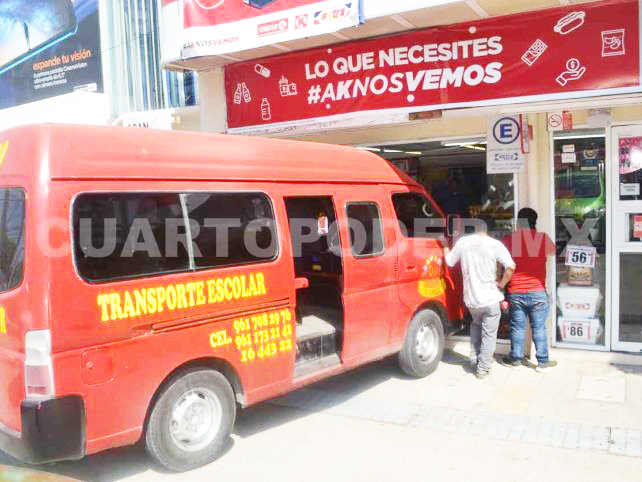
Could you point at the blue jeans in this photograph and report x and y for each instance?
(522, 307)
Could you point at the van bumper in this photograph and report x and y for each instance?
(52, 430)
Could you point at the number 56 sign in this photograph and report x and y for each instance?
(580, 256)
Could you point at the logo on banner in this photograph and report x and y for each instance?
(332, 14)
(276, 26)
(209, 4)
(301, 21)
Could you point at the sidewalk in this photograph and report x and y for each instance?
(590, 402)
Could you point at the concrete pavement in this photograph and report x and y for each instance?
(582, 421)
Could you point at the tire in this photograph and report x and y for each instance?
(421, 359)
(191, 420)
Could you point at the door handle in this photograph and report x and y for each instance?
(410, 268)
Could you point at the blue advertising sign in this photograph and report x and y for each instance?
(48, 48)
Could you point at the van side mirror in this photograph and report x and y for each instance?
(453, 222)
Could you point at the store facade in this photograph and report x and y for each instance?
(427, 106)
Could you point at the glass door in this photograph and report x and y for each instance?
(627, 238)
(580, 236)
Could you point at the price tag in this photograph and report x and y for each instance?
(577, 330)
(580, 256)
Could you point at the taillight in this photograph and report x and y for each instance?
(39, 382)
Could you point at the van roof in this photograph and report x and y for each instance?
(120, 153)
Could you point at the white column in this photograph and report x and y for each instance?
(211, 86)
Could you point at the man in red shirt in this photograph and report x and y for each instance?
(527, 289)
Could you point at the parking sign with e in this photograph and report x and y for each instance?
(504, 147)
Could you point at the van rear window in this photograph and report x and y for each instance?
(121, 236)
(12, 237)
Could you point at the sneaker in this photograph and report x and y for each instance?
(509, 361)
(546, 366)
(482, 375)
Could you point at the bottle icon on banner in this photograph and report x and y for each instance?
(246, 93)
(266, 113)
(238, 94)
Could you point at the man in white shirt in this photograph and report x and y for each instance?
(479, 255)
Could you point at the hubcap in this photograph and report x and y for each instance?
(426, 344)
(196, 419)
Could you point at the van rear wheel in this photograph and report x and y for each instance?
(423, 346)
(191, 420)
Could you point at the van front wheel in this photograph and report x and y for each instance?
(191, 420)
(423, 346)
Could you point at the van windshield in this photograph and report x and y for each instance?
(12, 237)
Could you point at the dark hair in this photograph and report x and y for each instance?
(529, 215)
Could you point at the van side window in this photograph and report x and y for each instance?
(12, 237)
(366, 230)
(234, 228)
(417, 215)
(128, 235)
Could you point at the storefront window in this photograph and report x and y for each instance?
(580, 229)
(454, 173)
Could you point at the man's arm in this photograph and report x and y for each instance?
(451, 256)
(504, 257)
(508, 275)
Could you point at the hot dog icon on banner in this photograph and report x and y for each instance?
(570, 22)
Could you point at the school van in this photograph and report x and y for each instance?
(152, 282)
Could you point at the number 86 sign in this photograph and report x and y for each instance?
(580, 256)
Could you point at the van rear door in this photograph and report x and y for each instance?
(12, 256)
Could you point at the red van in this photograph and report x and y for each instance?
(152, 281)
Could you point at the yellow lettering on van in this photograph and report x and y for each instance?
(170, 297)
(129, 310)
(228, 289)
(116, 310)
(220, 291)
(260, 282)
(151, 301)
(179, 296)
(160, 297)
(103, 302)
(211, 291)
(3, 321)
(141, 301)
(200, 293)
(4, 147)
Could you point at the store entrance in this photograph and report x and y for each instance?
(454, 173)
(626, 173)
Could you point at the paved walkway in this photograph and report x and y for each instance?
(579, 422)
(587, 403)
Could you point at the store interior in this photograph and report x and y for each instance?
(454, 173)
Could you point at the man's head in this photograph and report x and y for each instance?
(527, 218)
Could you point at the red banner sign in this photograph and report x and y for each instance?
(203, 13)
(214, 27)
(553, 53)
